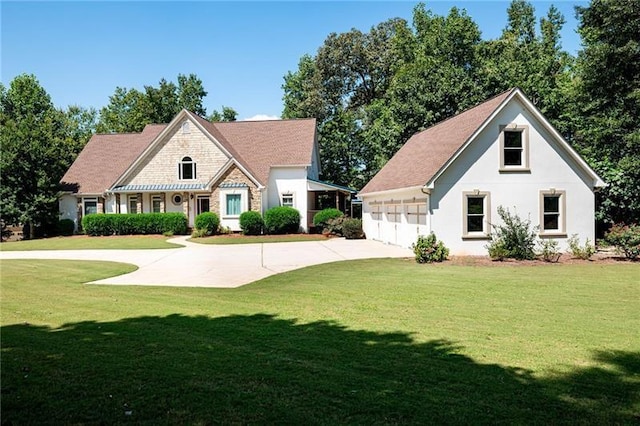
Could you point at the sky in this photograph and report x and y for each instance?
(81, 51)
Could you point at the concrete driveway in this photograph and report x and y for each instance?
(223, 266)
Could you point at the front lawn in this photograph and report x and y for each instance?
(381, 341)
(83, 242)
(257, 239)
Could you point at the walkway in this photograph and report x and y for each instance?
(222, 266)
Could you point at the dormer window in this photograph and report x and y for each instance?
(187, 169)
(514, 147)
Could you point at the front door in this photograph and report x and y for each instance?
(203, 204)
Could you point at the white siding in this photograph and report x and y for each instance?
(290, 180)
(68, 206)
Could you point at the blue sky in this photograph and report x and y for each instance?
(80, 51)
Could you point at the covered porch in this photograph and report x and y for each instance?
(324, 195)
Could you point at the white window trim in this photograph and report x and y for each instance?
(288, 194)
(524, 129)
(185, 128)
(181, 199)
(129, 198)
(562, 219)
(244, 201)
(486, 223)
(90, 199)
(194, 169)
(202, 197)
(158, 198)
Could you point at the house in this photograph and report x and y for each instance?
(192, 165)
(450, 179)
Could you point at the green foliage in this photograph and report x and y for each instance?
(352, 229)
(514, 238)
(227, 114)
(334, 225)
(208, 222)
(282, 220)
(66, 227)
(549, 250)
(581, 252)
(428, 249)
(199, 233)
(251, 223)
(322, 217)
(626, 238)
(131, 224)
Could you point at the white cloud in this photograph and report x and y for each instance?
(261, 117)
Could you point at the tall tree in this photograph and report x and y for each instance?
(225, 114)
(608, 92)
(35, 154)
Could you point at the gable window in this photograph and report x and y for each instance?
(514, 147)
(233, 205)
(185, 128)
(133, 204)
(287, 200)
(187, 169)
(552, 212)
(476, 214)
(156, 204)
(90, 206)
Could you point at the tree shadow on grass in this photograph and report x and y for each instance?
(262, 369)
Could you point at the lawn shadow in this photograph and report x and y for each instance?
(261, 369)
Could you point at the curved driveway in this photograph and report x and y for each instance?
(224, 266)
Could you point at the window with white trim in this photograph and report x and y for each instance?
(514, 147)
(187, 169)
(233, 204)
(552, 212)
(133, 204)
(287, 199)
(156, 203)
(476, 211)
(185, 128)
(203, 204)
(90, 206)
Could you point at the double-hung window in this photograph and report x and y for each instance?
(233, 204)
(514, 148)
(90, 206)
(552, 212)
(133, 204)
(187, 169)
(476, 208)
(156, 203)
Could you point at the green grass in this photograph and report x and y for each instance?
(257, 239)
(362, 342)
(81, 242)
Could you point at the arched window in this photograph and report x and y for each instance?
(187, 169)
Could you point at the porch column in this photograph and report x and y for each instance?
(139, 202)
(162, 202)
(118, 203)
(185, 204)
(80, 212)
(100, 205)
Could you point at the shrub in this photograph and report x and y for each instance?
(281, 220)
(497, 250)
(428, 249)
(198, 233)
(321, 219)
(549, 250)
(352, 229)
(66, 227)
(130, 224)
(579, 252)
(251, 223)
(626, 238)
(514, 236)
(334, 226)
(207, 222)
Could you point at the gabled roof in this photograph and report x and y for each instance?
(105, 157)
(255, 146)
(427, 154)
(261, 145)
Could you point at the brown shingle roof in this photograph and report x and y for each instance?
(105, 158)
(426, 152)
(262, 144)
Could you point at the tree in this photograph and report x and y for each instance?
(129, 110)
(608, 92)
(226, 114)
(35, 154)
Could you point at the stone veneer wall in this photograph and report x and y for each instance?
(235, 175)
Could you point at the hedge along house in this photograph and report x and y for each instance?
(450, 179)
(192, 165)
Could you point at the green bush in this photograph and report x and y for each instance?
(513, 239)
(428, 249)
(549, 251)
(130, 224)
(208, 222)
(352, 229)
(282, 220)
(321, 219)
(626, 238)
(581, 252)
(334, 226)
(66, 227)
(251, 223)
